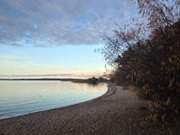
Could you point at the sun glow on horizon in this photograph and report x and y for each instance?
(72, 60)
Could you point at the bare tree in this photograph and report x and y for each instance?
(159, 13)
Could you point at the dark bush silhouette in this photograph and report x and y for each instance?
(152, 63)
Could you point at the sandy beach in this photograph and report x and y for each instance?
(115, 113)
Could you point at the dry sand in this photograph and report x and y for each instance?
(115, 113)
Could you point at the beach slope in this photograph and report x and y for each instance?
(116, 112)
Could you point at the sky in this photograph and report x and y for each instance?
(41, 37)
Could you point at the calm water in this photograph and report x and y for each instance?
(23, 97)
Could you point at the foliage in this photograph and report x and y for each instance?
(152, 63)
(155, 66)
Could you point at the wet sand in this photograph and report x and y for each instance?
(115, 113)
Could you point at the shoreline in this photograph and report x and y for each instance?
(63, 107)
(90, 81)
(117, 111)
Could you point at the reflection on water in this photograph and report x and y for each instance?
(22, 97)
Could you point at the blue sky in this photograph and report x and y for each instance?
(59, 36)
(67, 59)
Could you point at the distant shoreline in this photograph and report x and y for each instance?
(75, 80)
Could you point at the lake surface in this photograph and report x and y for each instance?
(23, 97)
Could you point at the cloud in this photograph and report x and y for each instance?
(42, 22)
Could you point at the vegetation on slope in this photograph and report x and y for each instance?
(151, 63)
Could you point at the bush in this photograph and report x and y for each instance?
(154, 65)
(151, 62)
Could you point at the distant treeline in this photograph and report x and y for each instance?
(92, 80)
